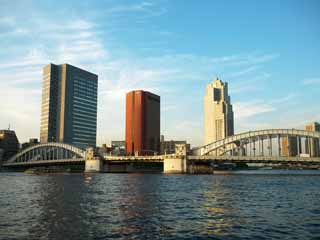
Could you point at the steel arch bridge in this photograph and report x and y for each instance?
(47, 153)
(236, 143)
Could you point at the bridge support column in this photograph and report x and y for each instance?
(279, 145)
(175, 165)
(93, 162)
(270, 145)
(298, 146)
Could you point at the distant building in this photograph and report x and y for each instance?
(120, 144)
(313, 127)
(32, 142)
(169, 147)
(142, 123)
(9, 144)
(312, 144)
(118, 148)
(69, 105)
(218, 113)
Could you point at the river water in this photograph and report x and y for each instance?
(246, 205)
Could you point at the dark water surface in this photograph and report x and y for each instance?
(274, 205)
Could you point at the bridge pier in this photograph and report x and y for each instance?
(175, 165)
(93, 163)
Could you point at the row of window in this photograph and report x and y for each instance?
(86, 99)
(82, 81)
(86, 119)
(91, 126)
(85, 106)
(89, 94)
(84, 139)
(86, 128)
(86, 110)
(85, 87)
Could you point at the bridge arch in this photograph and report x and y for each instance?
(47, 151)
(248, 136)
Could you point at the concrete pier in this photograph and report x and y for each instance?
(93, 162)
(175, 165)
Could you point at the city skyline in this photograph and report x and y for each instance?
(272, 74)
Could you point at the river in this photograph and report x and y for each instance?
(270, 204)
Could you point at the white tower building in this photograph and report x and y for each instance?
(218, 114)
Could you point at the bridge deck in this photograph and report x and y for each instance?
(221, 159)
(256, 159)
(44, 162)
(134, 158)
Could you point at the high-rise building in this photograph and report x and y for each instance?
(9, 144)
(142, 123)
(32, 142)
(311, 144)
(218, 113)
(69, 105)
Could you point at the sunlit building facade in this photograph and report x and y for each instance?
(218, 113)
(69, 105)
(142, 123)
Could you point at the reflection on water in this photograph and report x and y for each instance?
(145, 206)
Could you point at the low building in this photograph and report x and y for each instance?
(169, 147)
(32, 142)
(117, 148)
(313, 127)
(9, 144)
(120, 144)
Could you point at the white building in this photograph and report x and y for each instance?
(218, 113)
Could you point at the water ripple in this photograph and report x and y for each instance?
(156, 206)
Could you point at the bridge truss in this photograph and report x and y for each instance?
(265, 143)
(46, 153)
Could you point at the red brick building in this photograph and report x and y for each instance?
(142, 123)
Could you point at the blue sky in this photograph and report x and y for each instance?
(268, 52)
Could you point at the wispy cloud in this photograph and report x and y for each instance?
(243, 72)
(286, 98)
(149, 9)
(7, 21)
(311, 81)
(249, 109)
(79, 41)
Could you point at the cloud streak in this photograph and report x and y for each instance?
(178, 77)
(311, 81)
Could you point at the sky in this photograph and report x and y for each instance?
(267, 51)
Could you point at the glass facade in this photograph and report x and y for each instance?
(84, 119)
(69, 105)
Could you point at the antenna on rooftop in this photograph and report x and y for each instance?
(9, 127)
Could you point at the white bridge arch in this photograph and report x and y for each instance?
(253, 136)
(49, 152)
